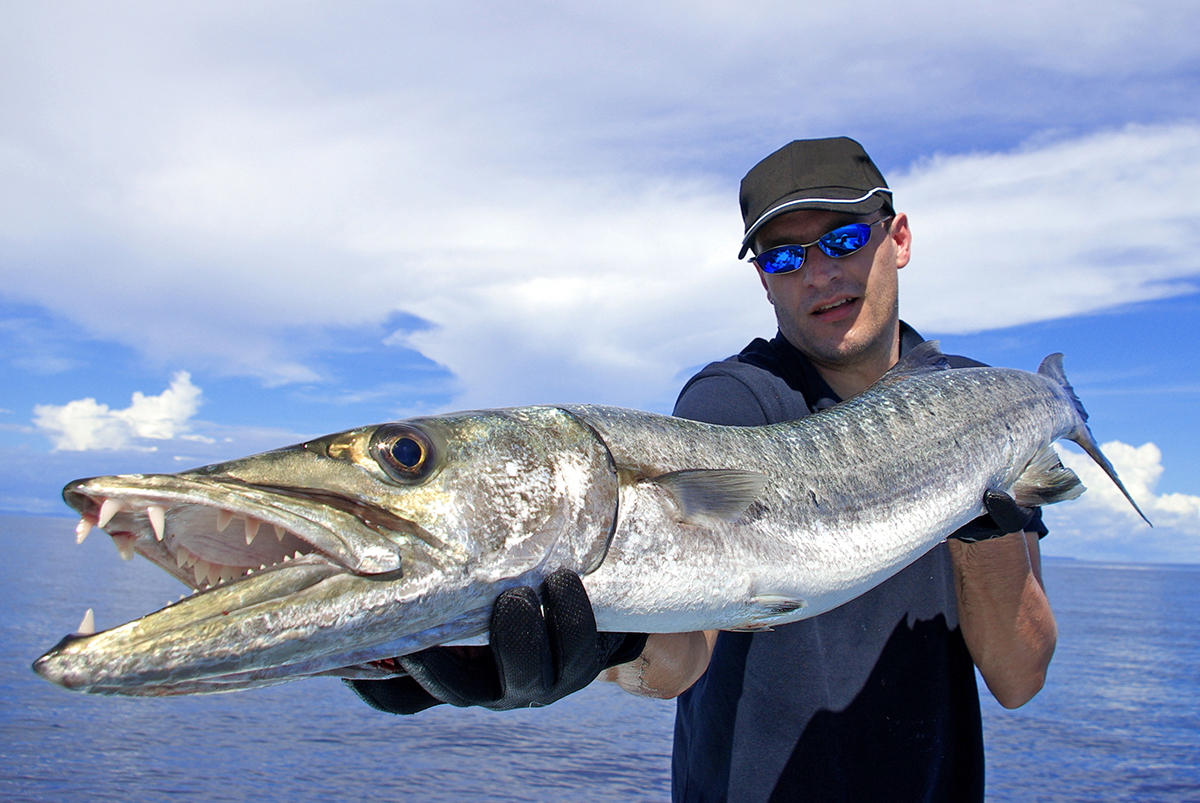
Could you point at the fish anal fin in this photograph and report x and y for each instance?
(706, 494)
(1045, 481)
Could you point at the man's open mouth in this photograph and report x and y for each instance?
(834, 305)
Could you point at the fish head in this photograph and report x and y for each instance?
(346, 549)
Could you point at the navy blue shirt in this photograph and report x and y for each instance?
(873, 701)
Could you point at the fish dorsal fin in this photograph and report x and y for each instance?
(924, 358)
(722, 494)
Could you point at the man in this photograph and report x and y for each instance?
(875, 700)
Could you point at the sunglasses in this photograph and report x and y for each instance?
(841, 242)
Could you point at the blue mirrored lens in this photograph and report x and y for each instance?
(784, 259)
(845, 240)
(842, 241)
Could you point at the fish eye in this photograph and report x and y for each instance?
(404, 452)
(408, 452)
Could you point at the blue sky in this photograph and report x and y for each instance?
(225, 227)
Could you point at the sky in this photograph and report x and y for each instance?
(227, 227)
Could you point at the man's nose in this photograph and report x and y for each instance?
(820, 268)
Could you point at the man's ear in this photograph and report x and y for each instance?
(901, 237)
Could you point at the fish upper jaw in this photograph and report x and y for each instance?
(205, 533)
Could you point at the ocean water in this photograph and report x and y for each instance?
(1119, 719)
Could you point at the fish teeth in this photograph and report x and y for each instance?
(223, 519)
(214, 573)
(279, 532)
(228, 573)
(252, 526)
(81, 530)
(110, 508)
(88, 626)
(200, 569)
(124, 544)
(181, 557)
(158, 520)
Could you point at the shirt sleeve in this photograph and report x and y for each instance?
(721, 399)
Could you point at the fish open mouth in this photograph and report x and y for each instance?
(198, 544)
(207, 533)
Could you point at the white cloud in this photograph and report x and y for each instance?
(85, 424)
(1053, 229)
(1101, 524)
(553, 187)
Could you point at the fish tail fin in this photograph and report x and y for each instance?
(1052, 369)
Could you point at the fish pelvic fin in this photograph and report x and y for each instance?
(706, 494)
(1052, 369)
(1045, 481)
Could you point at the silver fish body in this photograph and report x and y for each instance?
(384, 540)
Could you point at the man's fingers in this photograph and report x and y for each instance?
(521, 646)
(453, 678)
(1008, 515)
(572, 629)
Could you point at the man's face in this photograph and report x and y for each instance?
(839, 312)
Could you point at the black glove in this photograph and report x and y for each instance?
(535, 657)
(1003, 516)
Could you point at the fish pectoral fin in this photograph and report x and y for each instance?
(722, 494)
(1045, 481)
(770, 609)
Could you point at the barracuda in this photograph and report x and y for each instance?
(361, 546)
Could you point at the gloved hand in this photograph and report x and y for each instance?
(1003, 516)
(538, 653)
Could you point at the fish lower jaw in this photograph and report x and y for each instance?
(199, 545)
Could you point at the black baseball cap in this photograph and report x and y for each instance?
(833, 175)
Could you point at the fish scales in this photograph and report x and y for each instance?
(404, 534)
(903, 459)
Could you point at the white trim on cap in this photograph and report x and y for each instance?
(765, 216)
